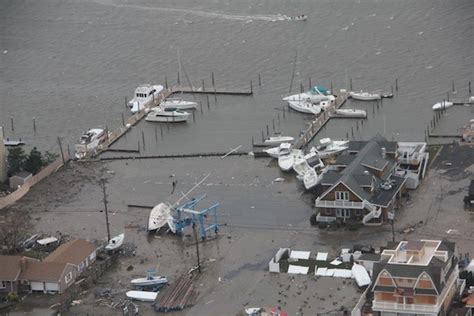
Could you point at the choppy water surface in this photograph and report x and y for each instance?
(70, 64)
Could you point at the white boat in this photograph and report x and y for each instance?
(150, 280)
(305, 107)
(142, 296)
(168, 115)
(442, 105)
(365, 96)
(179, 104)
(47, 241)
(301, 166)
(13, 143)
(144, 96)
(115, 242)
(254, 311)
(89, 142)
(286, 160)
(275, 152)
(349, 113)
(315, 95)
(159, 216)
(277, 140)
(330, 147)
(327, 103)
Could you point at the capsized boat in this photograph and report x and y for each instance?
(179, 104)
(287, 159)
(365, 96)
(168, 115)
(275, 152)
(349, 113)
(442, 105)
(90, 141)
(159, 216)
(143, 296)
(277, 140)
(144, 96)
(115, 242)
(305, 107)
(150, 279)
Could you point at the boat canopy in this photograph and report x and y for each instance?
(320, 90)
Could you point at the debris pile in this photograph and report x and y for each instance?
(176, 296)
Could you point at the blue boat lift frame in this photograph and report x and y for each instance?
(187, 215)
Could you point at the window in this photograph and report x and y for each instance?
(2, 284)
(343, 212)
(68, 277)
(342, 196)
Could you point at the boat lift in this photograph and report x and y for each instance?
(187, 215)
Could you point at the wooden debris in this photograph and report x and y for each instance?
(176, 296)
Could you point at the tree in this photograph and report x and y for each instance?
(16, 160)
(49, 157)
(34, 162)
(14, 225)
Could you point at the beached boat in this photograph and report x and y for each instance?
(144, 96)
(115, 242)
(159, 216)
(305, 107)
(442, 105)
(167, 115)
(150, 279)
(286, 160)
(365, 96)
(277, 140)
(349, 113)
(179, 104)
(142, 296)
(275, 152)
(90, 141)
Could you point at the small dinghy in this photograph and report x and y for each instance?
(365, 96)
(142, 296)
(150, 280)
(442, 105)
(277, 140)
(115, 242)
(349, 113)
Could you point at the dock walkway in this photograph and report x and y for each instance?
(317, 124)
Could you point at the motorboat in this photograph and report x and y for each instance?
(301, 166)
(442, 105)
(328, 147)
(365, 96)
(13, 143)
(115, 242)
(349, 113)
(305, 107)
(90, 141)
(167, 115)
(315, 95)
(144, 96)
(159, 216)
(278, 139)
(143, 296)
(150, 279)
(275, 152)
(325, 104)
(179, 104)
(301, 17)
(287, 159)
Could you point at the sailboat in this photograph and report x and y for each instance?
(115, 242)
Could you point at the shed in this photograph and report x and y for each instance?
(19, 179)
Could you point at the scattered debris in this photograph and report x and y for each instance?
(278, 180)
(452, 232)
(176, 296)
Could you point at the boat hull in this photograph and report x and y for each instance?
(115, 242)
(272, 141)
(442, 105)
(304, 107)
(180, 105)
(149, 281)
(349, 113)
(142, 296)
(158, 217)
(164, 117)
(365, 96)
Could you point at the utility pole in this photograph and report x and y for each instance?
(106, 208)
(197, 246)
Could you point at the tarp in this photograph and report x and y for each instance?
(342, 273)
(321, 271)
(300, 254)
(335, 262)
(321, 256)
(360, 275)
(292, 269)
(320, 90)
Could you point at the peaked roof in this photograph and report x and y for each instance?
(10, 267)
(74, 252)
(43, 271)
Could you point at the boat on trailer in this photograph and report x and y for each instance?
(365, 96)
(167, 115)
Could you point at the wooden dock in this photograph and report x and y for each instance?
(318, 123)
(200, 90)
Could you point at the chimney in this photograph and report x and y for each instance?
(384, 152)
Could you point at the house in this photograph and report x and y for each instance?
(48, 277)
(19, 179)
(367, 260)
(78, 252)
(19, 274)
(362, 186)
(415, 278)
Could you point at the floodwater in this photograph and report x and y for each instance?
(70, 64)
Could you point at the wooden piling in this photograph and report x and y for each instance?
(213, 82)
(207, 101)
(332, 91)
(469, 87)
(301, 88)
(156, 134)
(278, 118)
(123, 119)
(263, 137)
(273, 124)
(143, 139)
(166, 82)
(61, 150)
(284, 112)
(268, 131)
(396, 84)
(161, 130)
(34, 124)
(253, 142)
(259, 80)
(309, 81)
(391, 89)
(447, 96)
(126, 103)
(251, 87)
(179, 79)
(202, 84)
(200, 104)
(12, 123)
(194, 116)
(453, 88)
(350, 83)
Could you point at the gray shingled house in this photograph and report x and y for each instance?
(362, 187)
